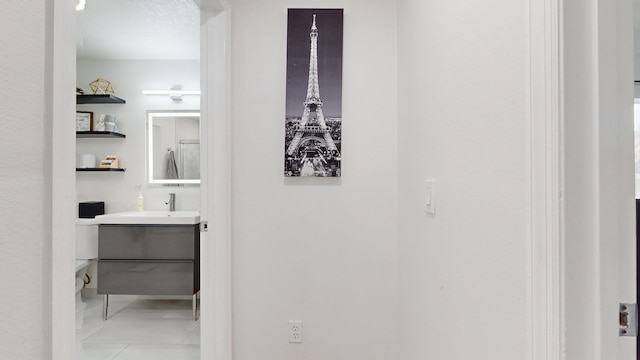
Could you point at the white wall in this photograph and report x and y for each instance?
(462, 121)
(636, 65)
(129, 78)
(25, 208)
(323, 251)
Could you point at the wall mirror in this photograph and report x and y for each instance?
(173, 154)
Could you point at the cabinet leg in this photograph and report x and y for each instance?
(105, 306)
(195, 306)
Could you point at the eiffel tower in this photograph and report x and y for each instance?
(312, 146)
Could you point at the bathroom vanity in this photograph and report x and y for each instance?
(149, 253)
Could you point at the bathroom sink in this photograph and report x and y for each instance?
(151, 218)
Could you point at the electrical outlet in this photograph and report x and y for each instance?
(295, 331)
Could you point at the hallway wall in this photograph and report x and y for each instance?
(463, 121)
(322, 250)
(25, 206)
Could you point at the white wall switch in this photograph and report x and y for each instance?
(430, 207)
(295, 331)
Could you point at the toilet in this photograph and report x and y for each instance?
(81, 270)
(86, 253)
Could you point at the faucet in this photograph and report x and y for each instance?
(171, 202)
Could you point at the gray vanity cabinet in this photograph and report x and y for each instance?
(148, 259)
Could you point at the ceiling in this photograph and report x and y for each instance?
(160, 29)
(139, 30)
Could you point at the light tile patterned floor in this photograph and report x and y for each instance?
(137, 329)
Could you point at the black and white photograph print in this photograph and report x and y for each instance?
(313, 120)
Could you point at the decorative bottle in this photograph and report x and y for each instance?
(139, 199)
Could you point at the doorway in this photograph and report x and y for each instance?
(215, 292)
(137, 46)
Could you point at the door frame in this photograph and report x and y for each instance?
(544, 128)
(582, 215)
(61, 31)
(215, 244)
(215, 183)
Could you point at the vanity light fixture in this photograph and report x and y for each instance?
(175, 95)
(81, 4)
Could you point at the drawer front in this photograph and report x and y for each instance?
(146, 277)
(148, 242)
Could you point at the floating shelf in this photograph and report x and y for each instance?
(102, 169)
(99, 99)
(99, 134)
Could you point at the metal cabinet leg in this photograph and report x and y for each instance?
(195, 306)
(105, 306)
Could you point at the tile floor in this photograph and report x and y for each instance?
(137, 329)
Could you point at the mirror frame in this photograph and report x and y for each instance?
(161, 113)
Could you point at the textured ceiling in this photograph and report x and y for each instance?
(139, 29)
(160, 29)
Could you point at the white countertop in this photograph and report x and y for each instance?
(150, 218)
(86, 221)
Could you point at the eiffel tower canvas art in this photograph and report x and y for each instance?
(313, 124)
